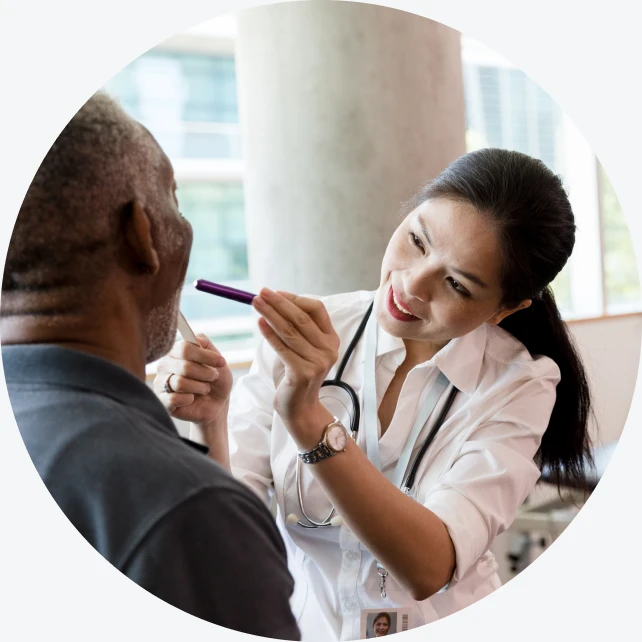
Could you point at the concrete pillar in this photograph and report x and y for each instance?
(346, 110)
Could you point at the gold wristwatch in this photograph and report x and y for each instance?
(333, 442)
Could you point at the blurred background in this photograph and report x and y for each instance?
(296, 132)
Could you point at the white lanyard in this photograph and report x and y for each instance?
(370, 409)
(371, 421)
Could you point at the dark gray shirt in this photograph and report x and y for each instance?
(156, 507)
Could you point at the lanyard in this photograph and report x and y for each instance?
(371, 421)
(370, 409)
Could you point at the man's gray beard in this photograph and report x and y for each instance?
(161, 328)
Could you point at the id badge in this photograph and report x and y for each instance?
(377, 623)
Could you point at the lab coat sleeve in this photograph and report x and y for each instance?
(250, 424)
(479, 495)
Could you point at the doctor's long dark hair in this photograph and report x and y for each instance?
(529, 208)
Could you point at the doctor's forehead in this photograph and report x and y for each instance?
(445, 215)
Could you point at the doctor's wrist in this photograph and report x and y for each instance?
(308, 426)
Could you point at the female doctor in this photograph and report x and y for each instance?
(464, 339)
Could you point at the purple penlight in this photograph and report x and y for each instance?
(224, 291)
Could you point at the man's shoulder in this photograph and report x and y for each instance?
(116, 471)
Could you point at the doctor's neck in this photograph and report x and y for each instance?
(421, 351)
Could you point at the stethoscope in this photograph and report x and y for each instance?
(332, 519)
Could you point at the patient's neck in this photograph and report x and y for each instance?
(111, 330)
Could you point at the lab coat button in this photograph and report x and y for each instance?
(349, 604)
(351, 555)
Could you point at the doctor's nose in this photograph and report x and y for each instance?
(418, 284)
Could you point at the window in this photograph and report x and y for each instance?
(505, 108)
(621, 279)
(187, 100)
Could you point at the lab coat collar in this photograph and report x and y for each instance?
(461, 359)
(387, 343)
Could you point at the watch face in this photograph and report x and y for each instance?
(337, 438)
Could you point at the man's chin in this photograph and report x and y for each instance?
(154, 353)
(162, 325)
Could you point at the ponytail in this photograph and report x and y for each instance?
(529, 209)
(565, 450)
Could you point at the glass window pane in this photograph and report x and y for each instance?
(187, 100)
(514, 113)
(219, 251)
(561, 287)
(506, 109)
(621, 279)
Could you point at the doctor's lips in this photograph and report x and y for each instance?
(224, 291)
(398, 309)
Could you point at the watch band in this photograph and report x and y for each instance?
(317, 454)
(322, 451)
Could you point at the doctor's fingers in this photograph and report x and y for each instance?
(289, 321)
(319, 350)
(187, 369)
(313, 307)
(291, 358)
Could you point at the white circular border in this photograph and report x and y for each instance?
(56, 54)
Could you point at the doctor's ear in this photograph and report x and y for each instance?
(499, 316)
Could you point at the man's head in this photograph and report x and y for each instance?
(98, 238)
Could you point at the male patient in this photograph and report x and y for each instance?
(89, 296)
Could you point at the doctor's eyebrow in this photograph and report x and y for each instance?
(467, 275)
(424, 230)
(470, 277)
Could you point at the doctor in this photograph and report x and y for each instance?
(464, 373)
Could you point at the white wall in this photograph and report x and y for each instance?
(610, 348)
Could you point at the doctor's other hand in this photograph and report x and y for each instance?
(200, 380)
(301, 333)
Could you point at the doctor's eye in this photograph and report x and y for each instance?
(458, 287)
(415, 240)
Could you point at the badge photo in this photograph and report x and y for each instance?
(377, 623)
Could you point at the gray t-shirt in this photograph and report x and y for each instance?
(156, 507)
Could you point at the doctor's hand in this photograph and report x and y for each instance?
(301, 333)
(200, 379)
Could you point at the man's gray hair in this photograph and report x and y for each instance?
(67, 227)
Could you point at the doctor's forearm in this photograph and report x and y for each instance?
(409, 540)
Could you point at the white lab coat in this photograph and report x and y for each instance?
(476, 474)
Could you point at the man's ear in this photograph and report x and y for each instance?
(138, 241)
(499, 316)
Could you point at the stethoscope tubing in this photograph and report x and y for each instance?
(354, 427)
